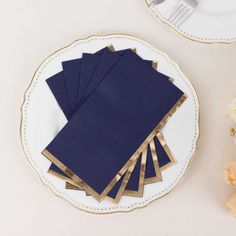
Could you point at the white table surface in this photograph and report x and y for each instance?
(30, 31)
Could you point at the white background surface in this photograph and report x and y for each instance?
(30, 31)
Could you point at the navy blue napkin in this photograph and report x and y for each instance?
(159, 157)
(164, 154)
(82, 70)
(102, 140)
(135, 185)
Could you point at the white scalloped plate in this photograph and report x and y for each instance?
(42, 119)
(213, 21)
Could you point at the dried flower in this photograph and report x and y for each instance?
(232, 131)
(230, 173)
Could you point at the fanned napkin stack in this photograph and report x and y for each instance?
(116, 104)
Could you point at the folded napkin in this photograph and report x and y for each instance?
(106, 136)
(83, 73)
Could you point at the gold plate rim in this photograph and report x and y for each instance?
(109, 210)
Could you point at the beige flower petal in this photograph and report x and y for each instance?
(231, 204)
(230, 173)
